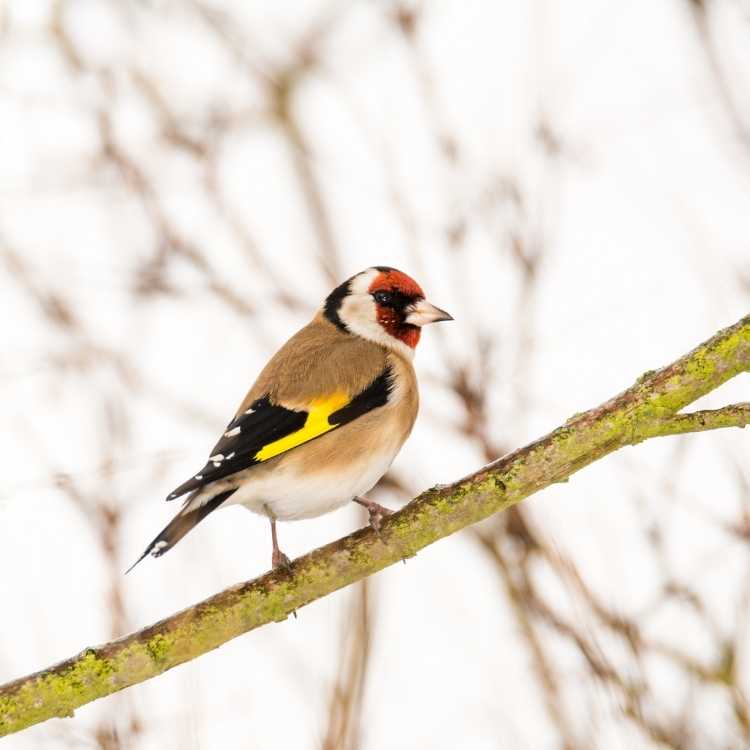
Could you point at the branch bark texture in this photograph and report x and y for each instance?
(650, 408)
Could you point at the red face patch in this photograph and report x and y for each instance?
(403, 291)
(393, 323)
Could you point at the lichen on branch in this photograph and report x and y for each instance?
(650, 408)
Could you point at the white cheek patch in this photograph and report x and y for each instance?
(359, 310)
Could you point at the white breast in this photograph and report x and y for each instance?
(290, 496)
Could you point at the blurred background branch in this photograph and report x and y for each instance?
(181, 183)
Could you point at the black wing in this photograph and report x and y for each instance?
(265, 423)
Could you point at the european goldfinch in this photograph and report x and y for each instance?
(325, 418)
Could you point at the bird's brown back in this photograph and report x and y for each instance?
(317, 360)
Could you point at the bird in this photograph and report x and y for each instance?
(324, 419)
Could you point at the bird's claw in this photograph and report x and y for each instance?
(377, 514)
(280, 560)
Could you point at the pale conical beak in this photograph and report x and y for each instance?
(421, 313)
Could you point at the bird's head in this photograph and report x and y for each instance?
(382, 305)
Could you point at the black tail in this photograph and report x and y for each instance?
(183, 522)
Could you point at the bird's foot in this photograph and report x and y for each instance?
(280, 560)
(377, 512)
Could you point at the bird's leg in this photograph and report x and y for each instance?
(278, 558)
(377, 512)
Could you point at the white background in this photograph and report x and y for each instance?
(641, 218)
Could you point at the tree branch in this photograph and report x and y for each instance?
(648, 409)
(736, 415)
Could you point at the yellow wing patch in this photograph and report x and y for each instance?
(315, 425)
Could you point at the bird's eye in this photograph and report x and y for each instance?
(383, 298)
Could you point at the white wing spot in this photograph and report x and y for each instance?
(249, 411)
(231, 455)
(233, 433)
(158, 547)
(217, 458)
(199, 477)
